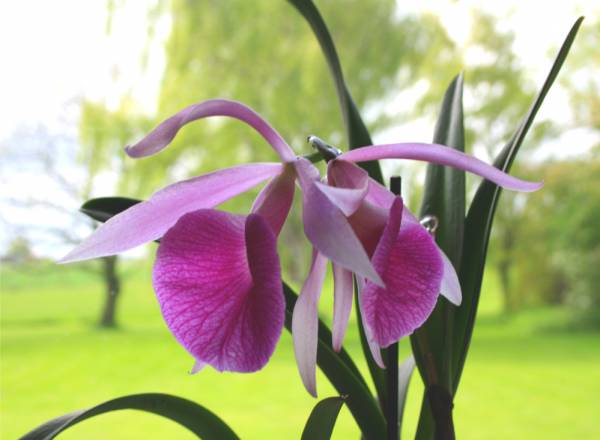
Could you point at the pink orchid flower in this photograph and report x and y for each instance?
(413, 269)
(217, 275)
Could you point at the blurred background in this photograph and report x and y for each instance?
(80, 80)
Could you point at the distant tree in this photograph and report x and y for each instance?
(558, 242)
(19, 252)
(46, 159)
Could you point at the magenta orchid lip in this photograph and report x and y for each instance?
(217, 275)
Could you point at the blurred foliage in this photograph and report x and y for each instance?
(555, 242)
(582, 81)
(263, 54)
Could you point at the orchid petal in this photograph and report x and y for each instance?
(441, 155)
(162, 135)
(343, 290)
(328, 229)
(347, 185)
(218, 283)
(379, 195)
(373, 346)
(305, 323)
(275, 200)
(344, 174)
(347, 200)
(450, 287)
(412, 268)
(149, 220)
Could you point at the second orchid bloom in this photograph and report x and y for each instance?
(217, 275)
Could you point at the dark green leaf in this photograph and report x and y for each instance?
(321, 421)
(479, 219)
(344, 376)
(103, 208)
(196, 418)
(356, 130)
(444, 198)
(357, 134)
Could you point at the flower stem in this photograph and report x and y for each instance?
(391, 410)
(392, 387)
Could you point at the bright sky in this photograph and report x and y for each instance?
(54, 53)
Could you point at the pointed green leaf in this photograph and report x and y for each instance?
(358, 136)
(356, 130)
(321, 421)
(444, 198)
(202, 422)
(479, 219)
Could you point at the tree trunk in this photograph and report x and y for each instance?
(113, 288)
(507, 243)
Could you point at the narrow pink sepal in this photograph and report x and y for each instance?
(411, 266)
(328, 229)
(450, 287)
(162, 135)
(198, 366)
(218, 282)
(343, 290)
(305, 323)
(441, 155)
(373, 346)
(149, 220)
(273, 203)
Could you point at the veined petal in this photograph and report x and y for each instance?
(441, 155)
(328, 229)
(149, 220)
(162, 135)
(275, 200)
(305, 323)
(343, 290)
(218, 282)
(412, 268)
(450, 287)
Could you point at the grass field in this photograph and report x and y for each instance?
(526, 377)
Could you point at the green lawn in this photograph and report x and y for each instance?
(525, 378)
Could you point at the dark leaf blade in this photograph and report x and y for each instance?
(444, 198)
(321, 421)
(344, 376)
(356, 130)
(103, 208)
(478, 223)
(202, 422)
